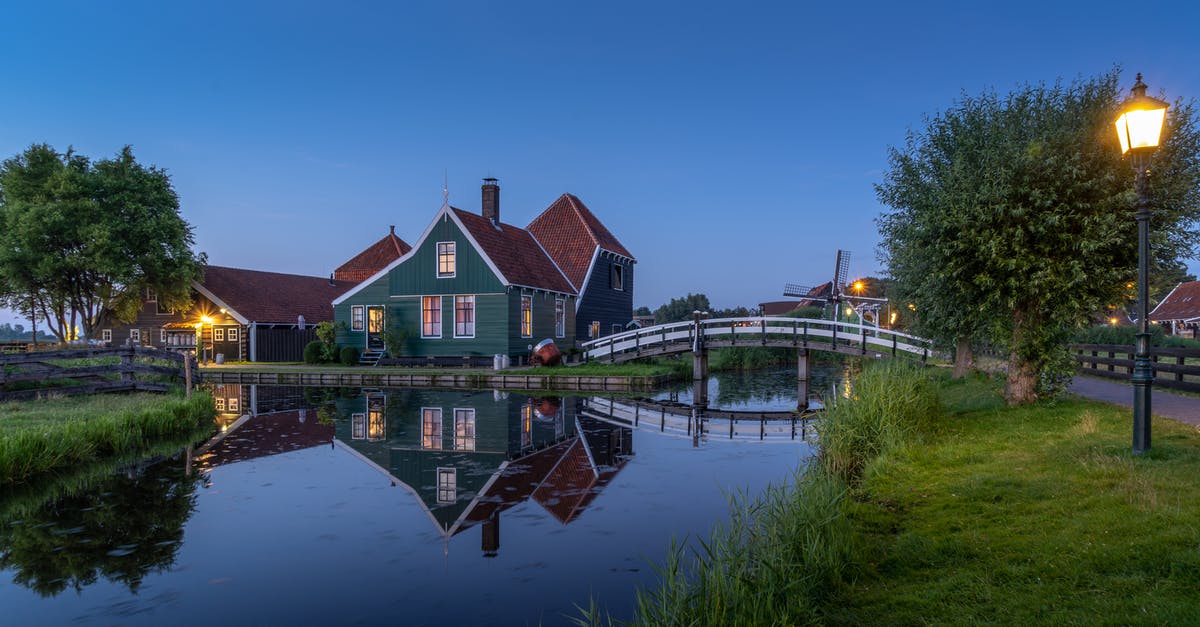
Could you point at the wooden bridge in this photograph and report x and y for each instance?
(802, 334)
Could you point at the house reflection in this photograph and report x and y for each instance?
(469, 455)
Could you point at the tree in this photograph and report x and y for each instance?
(83, 241)
(680, 309)
(1011, 219)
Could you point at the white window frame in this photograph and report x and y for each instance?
(430, 416)
(358, 426)
(232, 404)
(617, 279)
(449, 250)
(231, 334)
(151, 295)
(526, 315)
(162, 336)
(467, 328)
(447, 485)
(594, 330)
(464, 429)
(219, 403)
(135, 335)
(106, 335)
(218, 334)
(358, 317)
(433, 333)
(560, 317)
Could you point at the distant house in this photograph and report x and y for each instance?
(781, 307)
(1179, 312)
(470, 285)
(245, 315)
(374, 258)
(599, 267)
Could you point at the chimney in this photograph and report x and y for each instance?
(491, 200)
(392, 228)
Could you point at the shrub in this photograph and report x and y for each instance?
(349, 355)
(313, 352)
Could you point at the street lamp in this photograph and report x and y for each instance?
(203, 321)
(1139, 129)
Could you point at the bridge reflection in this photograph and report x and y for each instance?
(702, 424)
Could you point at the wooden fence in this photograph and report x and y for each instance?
(1176, 368)
(89, 371)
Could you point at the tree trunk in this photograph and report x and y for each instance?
(964, 358)
(1021, 385)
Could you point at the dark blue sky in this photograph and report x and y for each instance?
(732, 147)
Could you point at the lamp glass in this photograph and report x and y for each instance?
(1140, 128)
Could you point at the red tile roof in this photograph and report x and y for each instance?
(272, 296)
(375, 258)
(516, 253)
(268, 434)
(571, 233)
(1183, 303)
(780, 307)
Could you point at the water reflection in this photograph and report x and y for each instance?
(767, 390)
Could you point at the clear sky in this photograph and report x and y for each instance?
(732, 147)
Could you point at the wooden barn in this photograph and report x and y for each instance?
(241, 315)
(470, 286)
(599, 267)
(1179, 312)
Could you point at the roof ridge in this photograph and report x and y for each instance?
(571, 198)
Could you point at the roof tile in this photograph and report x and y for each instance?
(373, 259)
(516, 253)
(273, 296)
(571, 233)
(1181, 304)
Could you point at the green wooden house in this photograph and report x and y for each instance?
(470, 286)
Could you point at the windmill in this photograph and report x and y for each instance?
(835, 292)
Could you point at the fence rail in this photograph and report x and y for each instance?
(96, 370)
(1174, 368)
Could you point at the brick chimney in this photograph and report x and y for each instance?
(491, 200)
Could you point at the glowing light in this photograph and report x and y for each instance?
(1112, 321)
(1141, 120)
(205, 320)
(858, 286)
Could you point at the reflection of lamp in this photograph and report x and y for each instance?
(1139, 129)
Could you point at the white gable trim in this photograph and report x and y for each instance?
(479, 249)
(587, 277)
(1163, 301)
(560, 272)
(213, 297)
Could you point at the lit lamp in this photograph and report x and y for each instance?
(1139, 129)
(203, 321)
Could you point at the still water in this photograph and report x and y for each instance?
(385, 506)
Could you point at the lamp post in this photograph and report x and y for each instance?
(1139, 129)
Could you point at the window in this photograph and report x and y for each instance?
(464, 316)
(151, 295)
(162, 336)
(106, 335)
(464, 429)
(526, 426)
(374, 319)
(358, 427)
(431, 428)
(356, 318)
(135, 335)
(232, 404)
(431, 316)
(447, 485)
(219, 404)
(618, 277)
(526, 316)
(594, 329)
(376, 425)
(445, 253)
(218, 334)
(231, 334)
(616, 328)
(560, 317)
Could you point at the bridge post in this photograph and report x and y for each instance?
(699, 362)
(802, 364)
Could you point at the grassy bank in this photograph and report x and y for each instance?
(41, 436)
(962, 512)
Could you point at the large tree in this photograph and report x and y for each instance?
(1011, 219)
(82, 241)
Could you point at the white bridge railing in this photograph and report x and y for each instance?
(679, 337)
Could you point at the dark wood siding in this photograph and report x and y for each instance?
(603, 303)
(282, 343)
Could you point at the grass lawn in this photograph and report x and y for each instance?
(1029, 515)
(54, 434)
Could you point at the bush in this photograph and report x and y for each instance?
(349, 356)
(1125, 335)
(313, 352)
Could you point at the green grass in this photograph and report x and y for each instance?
(42, 436)
(1034, 514)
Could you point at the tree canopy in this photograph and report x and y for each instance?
(1010, 219)
(81, 241)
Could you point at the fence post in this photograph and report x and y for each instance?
(864, 340)
(187, 375)
(127, 365)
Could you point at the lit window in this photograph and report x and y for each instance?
(376, 426)
(219, 404)
(232, 404)
(445, 253)
(464, 429)
(527, 425)
(135, 335)
(431, 316)
(526, 316)
(231, 334)
(219, 334)
(431, 428)
(356, 318)
(375, 320)
(447, 485)
(464, 316)
(594, 329)
(560, 317)
(106, 335)
(358, 427)
(618, 277)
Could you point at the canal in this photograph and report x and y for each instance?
(393, 506)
